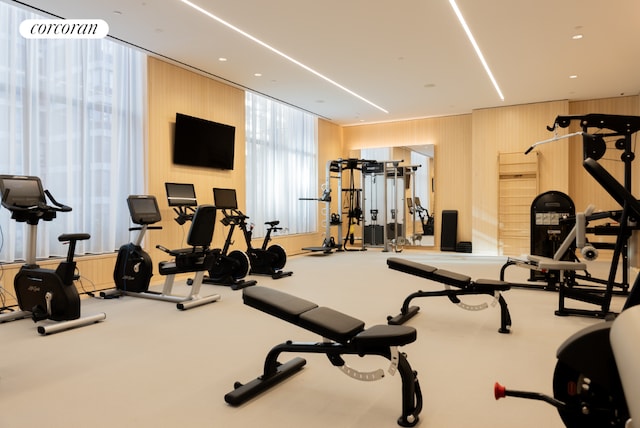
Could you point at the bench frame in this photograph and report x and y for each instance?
(378, 340)
(464, 284)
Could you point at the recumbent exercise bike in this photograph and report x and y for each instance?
(134, 267)
(43, 294)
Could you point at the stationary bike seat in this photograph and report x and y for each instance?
(66, 237)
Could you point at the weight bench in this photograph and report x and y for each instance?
(343, 335)
(464, 286)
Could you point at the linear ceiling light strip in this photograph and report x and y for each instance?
(276, 51)
(476, 47)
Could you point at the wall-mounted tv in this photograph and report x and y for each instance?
(204, 143)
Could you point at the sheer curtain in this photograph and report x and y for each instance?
(72, 113)
(281, 166)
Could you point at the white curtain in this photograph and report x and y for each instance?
(281, 166)
(71, 113)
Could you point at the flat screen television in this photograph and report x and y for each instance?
(203, 143)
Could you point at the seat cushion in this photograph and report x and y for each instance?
(384, 336)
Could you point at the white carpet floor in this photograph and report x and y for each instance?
(150, 365)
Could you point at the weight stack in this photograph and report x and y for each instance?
(449, 230)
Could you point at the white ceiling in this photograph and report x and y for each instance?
(409, 57)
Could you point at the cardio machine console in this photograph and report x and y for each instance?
(143, 209)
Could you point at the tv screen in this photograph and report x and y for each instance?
(204, 143)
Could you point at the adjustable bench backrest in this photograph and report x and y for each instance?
(326, 322)
(429, 272)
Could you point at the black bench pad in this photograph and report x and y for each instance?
(429, 272)
(324, 321)
(276, 303)
(331, 324)
(492, 284)
(444, 276)
(385, 335)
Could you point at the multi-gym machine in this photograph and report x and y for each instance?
(360, 220)
(351, 213)
(400, 181)
(596, 376)
(597, 131)
(43, 294)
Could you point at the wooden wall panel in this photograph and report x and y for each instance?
(510, 129)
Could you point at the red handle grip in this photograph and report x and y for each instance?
(499, 391)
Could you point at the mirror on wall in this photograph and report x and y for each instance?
(402, 202)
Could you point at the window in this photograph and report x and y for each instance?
(282, 159)
(71, 113)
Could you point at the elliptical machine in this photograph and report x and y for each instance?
(266, 260)
(43, 294)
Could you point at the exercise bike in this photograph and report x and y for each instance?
(587, 387)
(266, 260)
(228, 269)
(43, 294)
(134, 268)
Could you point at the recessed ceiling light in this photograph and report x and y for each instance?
(222, 59)
(577, 36)
(429, 85)
(573, 76)
(257, 74)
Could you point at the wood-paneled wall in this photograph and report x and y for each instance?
(506, 130)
